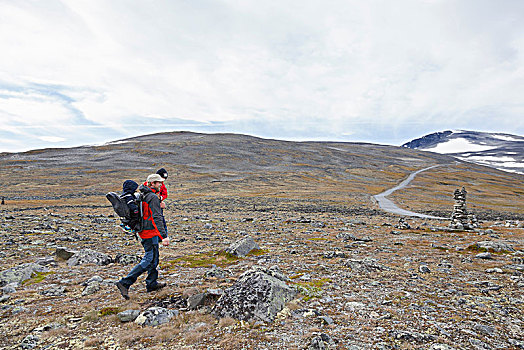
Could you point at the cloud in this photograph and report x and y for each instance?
(342, 69)
(52, 139)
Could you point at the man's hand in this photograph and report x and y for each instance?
(165, 242)
(162, 205)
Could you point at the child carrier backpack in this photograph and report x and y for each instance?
(122, 210)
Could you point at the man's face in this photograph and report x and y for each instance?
(156, 185)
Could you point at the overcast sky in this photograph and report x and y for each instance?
(87, 72)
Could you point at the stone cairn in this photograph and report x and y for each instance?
(460, 219)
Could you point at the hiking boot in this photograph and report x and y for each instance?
(156, 287)
(123, 290)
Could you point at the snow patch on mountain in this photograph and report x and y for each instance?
(458, 146)
(501, 151)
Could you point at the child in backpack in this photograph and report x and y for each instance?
(129, 188)
(162, 194)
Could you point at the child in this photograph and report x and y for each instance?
(128, 188)
(162, 194)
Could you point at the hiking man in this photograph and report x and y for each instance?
(152, 233)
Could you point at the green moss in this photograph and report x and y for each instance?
(476, 248)
(37, 278)
(111, 310)
(221, 259)
(257, 252)
(311, 289)
(91, 316)
(309, 292)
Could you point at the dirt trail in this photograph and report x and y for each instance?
(389, 206)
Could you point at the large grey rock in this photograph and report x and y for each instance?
(494, 246)
(88, 256)
(259, 294)
(127, 259)
(20, 273)
(91, 288)
(364, 265)
(64, 253)
(321, 342)
(155, 316)
(242, 247)
(54, 291)
(128, 315)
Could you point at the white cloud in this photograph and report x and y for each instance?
(351, 66)
(52, 139)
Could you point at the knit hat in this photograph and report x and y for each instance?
(154, 177)
(129, 186)
(162, 172)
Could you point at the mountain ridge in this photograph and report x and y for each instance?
(498, 150)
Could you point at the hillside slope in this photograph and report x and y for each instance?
(228, 166)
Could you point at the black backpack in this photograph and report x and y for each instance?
(122, 210)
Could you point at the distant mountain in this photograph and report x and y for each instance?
(501, 151)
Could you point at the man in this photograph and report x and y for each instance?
(152, 233)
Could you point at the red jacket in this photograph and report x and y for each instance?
(152, 215)
(162, 194)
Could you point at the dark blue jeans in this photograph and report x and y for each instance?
(149, 263)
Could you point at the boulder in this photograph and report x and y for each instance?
(20, 273)
(259, 294)
(88, 256)
(493, 246)
(365, 265)
(64, 253)
(127, 259)
(242, 247)
(54, 291)
(128, 315)
(155, 316)
(216, 272)
(91, 288)
(321, 342)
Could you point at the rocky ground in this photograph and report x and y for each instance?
(359, 282)
(328, 269)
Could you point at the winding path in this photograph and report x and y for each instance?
(389, 206)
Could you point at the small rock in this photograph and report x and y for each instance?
(320, 342)
(495, 270)
(485, 255)
(30, 341)
(441, 347)
(215, 272)
(10, 288)
(326, 320)
(424, 269)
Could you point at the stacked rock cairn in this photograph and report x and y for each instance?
(460, 219)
